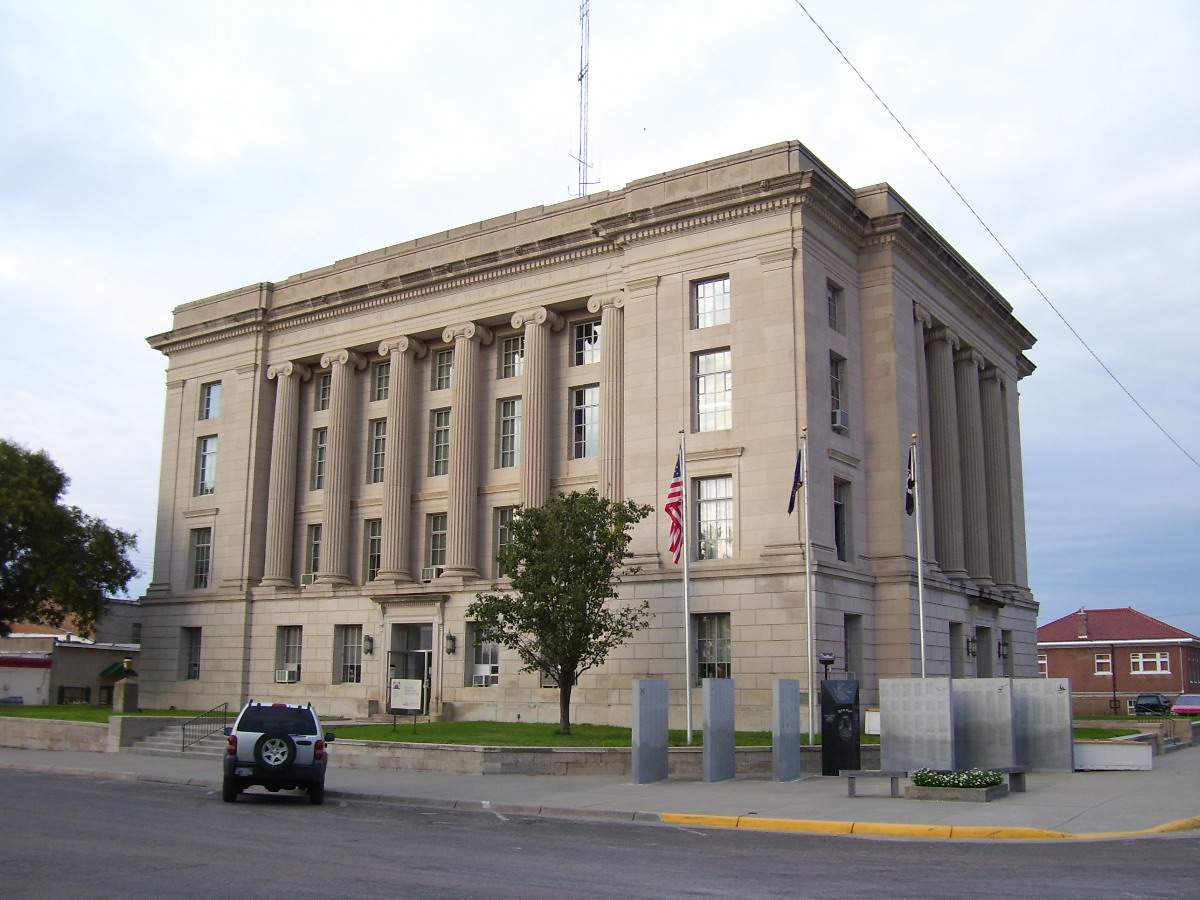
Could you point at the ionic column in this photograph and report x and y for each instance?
(943, 427)
(967, 364)
(922, 324)
(460, 518)
(281, 488)
(612, 392)
(535, 470)
(998, 476)
(335, 542)
(402, 353)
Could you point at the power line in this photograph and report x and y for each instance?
(994, 237)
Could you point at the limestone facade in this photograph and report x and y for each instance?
(342, 449)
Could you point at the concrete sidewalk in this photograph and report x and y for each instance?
(1056, 806)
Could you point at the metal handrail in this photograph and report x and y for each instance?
(199, 727)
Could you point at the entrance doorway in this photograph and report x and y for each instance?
(411, 659)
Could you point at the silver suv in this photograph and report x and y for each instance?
(279, 746)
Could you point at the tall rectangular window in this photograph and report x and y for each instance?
(712, 645)
(712, 373)
(289, 648)
(377, 429)
(841, 519)
(1158, 663)
(710, 302)
(585, 421)
(189, 654)
(485, 662)
(435, 540)
(372, 548)
(348, 641)
(312, 554)
(586, 343)
(201, 557)
(502, 535)
(206, 465)
(210, 400)
(512, 356)
(837, 392)
(322, 391)
(320, 448)
(443, 369)
(835, 301)
(509, 450)
(381, 377)
(714, 517)
(439, 438)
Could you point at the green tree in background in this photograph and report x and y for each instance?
(563, 559)
(55, 560)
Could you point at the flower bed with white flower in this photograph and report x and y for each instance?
(970, 778)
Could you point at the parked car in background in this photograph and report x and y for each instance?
(279, 746)
(1152, 705)
(1186, 705)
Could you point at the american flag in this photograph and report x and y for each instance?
(674, 511)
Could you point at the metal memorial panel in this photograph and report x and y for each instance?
(719, 739)
(916, 724)
(1044, 730)
(983, 723)
(650, 708)
(785, 729)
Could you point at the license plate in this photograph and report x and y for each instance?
(243, 770)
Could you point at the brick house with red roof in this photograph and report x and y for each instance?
(1112, 655)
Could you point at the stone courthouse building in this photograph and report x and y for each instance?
(343, 450)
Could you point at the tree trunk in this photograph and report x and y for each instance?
(564, 704)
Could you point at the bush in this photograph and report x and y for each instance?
(971, 778)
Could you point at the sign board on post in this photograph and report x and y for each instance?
(406, 694)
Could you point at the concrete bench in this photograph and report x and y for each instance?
(851, 774)
(1016, 776)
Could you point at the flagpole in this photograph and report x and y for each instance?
(685, 519)
(808, 589)
(916, 469)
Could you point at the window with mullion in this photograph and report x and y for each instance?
(510, 433)
(350, 654)
(712, 646)
(713, 374)
(435, 540)
(841, 519)
(381, 380)
(512, 357)
(586, 348)
(289, 647)
(201, 557)
(210, 400)
(378, 429)
(206, 465)
(439, 451)
(710, 302)
(443, 369)
(322, 390)
(714, 517)
(585, 421)
(372, 548)
(320, 447)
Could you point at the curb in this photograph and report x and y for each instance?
(750, 823)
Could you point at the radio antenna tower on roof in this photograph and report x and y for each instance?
(584, 40)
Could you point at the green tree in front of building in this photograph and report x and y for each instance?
(564, 560)
(55, 560)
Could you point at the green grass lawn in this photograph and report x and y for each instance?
(83, 712)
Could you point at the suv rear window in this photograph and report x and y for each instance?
(277, 718)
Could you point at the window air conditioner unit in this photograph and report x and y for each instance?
(429, 573)
(286, 676)
(479, 681)
(840, 419)
(308, 578)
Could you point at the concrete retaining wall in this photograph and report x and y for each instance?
(53, 734)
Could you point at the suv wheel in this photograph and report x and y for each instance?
(230, 788)
(316, 793)
(275, 752)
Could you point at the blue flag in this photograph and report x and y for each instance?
(797, 480)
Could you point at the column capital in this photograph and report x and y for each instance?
(343, 357)
(468, 331)
(288, 369)
(403, 344)
(539, 315)
(943, 333)
(922, 315)
(992, 373)
(600, 301)
(970, 356)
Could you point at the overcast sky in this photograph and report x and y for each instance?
(156, 153)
